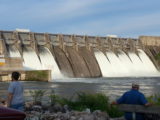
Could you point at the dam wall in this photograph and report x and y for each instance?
(152, 47)
(77, 55)
(150, 40)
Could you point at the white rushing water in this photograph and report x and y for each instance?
(111, 65)
(31, 60)
(127, 63)
(119, 69)
(104, 64)
(139, 68)
(123, 65)
(49, 63)
(13, 52)
(149, 66)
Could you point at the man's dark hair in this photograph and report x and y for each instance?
(15, 75)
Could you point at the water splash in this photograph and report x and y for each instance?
(148, 65)
(31, 60)
(13, 52)
(127, 63)
(119, 69)
(105, 66)
(123, 65)
(49, 63)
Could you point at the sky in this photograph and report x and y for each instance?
(124, 18)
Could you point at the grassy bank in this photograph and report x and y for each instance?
(83, 101)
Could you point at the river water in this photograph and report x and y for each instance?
(112, 87)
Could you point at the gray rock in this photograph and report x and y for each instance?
(57, 107)
(120, 118)
(70, 115)
(88, 110)
(81, 118)
(37, 108)
(66, 108)
(72, 118)
(88, 117)
(100, 115)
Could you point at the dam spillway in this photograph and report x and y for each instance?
(81, 56)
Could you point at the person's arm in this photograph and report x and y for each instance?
(119, 101)
(144, 101)
(114, 103)
(148, 104)
(10, 96)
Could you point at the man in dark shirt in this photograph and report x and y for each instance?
(133, 97)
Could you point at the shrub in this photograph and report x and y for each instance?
(37, 95)
(154, 99)
(93, 102)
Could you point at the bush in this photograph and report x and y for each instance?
(52, 97)
(154, 99)
(93, 102)
(37, 95)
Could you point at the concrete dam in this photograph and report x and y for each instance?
(80, 56)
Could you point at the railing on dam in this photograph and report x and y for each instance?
(47, 39)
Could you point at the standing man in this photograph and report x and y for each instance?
(15, 93)
(133, 97)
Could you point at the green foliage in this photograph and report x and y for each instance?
(52, 97)
(93, 102)
(114, 112)
(37, 95)
(154, 99)
(56, 99)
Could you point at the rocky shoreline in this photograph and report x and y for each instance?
(58, 112)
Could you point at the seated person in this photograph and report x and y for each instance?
(133, 97)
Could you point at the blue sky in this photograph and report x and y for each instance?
(125, 18)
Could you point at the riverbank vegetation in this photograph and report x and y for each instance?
(81, 102)
(94, 102)
(84, 101)
(154, 99)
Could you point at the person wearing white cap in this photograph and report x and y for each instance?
(133, 97)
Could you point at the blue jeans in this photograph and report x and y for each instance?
(19, 107)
